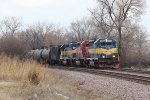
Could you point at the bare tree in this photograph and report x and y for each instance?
(141, 39)
(102, 21)
(83, 29)
(43, 34)
(58, 37)
(134, 46)
(10, 25)
(9, 43)
(36, 34)
(120, 11)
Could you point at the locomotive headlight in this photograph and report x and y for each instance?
(114, 56)
(103, 56)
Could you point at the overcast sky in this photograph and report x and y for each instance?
(56, 11)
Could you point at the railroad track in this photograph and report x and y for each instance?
(135, 71)
(135, 76)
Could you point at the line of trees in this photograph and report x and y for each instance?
(111, 18)
(15, 40)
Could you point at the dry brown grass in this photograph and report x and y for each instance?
(21, 75)
(16, 69)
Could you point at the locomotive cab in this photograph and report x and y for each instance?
(107, 53)
(68, 53)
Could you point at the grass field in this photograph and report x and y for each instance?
(21, 70)
(27, 79)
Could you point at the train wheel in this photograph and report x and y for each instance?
(88, 64)
(69, 63)
(117, 66)
(60, 62)
(101, 65)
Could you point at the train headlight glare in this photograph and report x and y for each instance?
(114, 56)
(103, 56)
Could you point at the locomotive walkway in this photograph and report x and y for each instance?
(138, 76)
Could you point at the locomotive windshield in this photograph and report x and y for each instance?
(106, 43)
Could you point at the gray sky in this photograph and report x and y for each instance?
(61, 12)
(145, 20)
(57, 11)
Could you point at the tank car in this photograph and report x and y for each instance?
(54, 54)
(49, 55)
(45, 55)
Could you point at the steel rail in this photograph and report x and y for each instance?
(135, 77)
(135, 71)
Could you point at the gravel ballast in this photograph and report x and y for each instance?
(106, 87)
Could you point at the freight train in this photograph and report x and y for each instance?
(90, 53)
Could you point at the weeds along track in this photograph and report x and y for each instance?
(138, 76)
